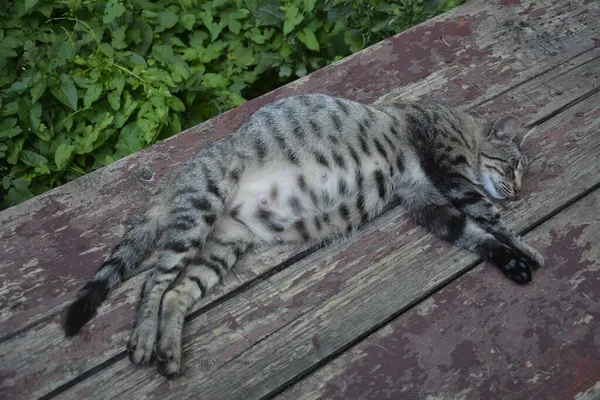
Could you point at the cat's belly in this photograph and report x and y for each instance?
(290, 203)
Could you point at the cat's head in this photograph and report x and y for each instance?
(502, 162)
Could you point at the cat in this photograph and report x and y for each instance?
(311, 168)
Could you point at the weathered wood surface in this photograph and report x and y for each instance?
(257, 342)
(475, 41)
(481, 338)
(58, 239)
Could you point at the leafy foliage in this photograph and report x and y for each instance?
(84, 83)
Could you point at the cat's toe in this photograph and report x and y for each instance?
(141, 345)
(168, 355)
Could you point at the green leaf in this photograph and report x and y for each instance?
(285, 71)
(292, 19)
(66, 93)
(188, 21)
(286, 50)
(14, 149)
(175, 104)
(19, 85)
(62, 155)
(114, 9)
(353, 40)
(9, 128)
(309, 5)
(33, 159)
(65, 51)
(38, 90)
(268, 13)
(107, 50)
(167, 19)
(180, 69)
(9, 109)
(114, 99)
(118, 38)
(44, 133)
(211, 80)
(235, 26)
(103, 121)
(84, 143)
(256, 36)
(92, 94)
(19, 192)
(35, 116)
(214, 29)
(309, 39)
(30, 4)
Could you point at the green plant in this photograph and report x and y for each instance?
(84, 83)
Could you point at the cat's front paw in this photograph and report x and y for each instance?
(141, 343)
(168, 354)
(516, 265)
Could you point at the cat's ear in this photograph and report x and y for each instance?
(505, 128)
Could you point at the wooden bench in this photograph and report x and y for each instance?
(392, 312)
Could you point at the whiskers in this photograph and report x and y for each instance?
(532, 130)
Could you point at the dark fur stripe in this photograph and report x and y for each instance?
(360, 206)
(364, 146)
(301, 228)
(198, 283)
(201, 204)
(345, 212)
(176, 246)
(220, 261)
(339, 160)
(266, 217)
(318, 223)
(337, 121)
(343, 187)
(380, 149)
(343, 106)
(184, 222)
(296, 205)
(380, 180)
(400, 163)
(354, 155)
(321, 159)
(209, 218)
(316, 129)
(302, 183)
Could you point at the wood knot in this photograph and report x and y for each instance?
(145, 175)
(579, 134)
(207, 365)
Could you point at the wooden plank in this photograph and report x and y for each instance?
(480, 338)
(46, 367)
(322, 304)
(57, 240)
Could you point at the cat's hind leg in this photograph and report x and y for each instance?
(227, 242)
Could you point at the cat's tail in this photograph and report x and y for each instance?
(125, 257)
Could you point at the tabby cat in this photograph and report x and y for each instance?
(311, 168)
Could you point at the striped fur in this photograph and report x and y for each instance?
(311, 168)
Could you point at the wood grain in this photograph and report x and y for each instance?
(317, 307)
(480, 338)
